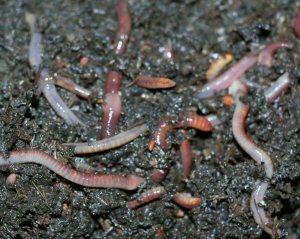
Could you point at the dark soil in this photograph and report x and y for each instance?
(44, 205)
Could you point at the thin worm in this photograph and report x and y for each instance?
(71, 86)
(191, 120)
(186, 157)
(265, 57)
(46, 85)
(35, 47)
(108, 143)
(258, 211)
(150, 82)
(297, 24)
(112, 106)
(187, 201)
(148, 196)
(279, 86)
(240, 135)
(124, 21)
(129, 182)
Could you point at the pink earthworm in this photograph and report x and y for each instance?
(108, 143)
(71, 86)
(265, 57)
(190, 120)
(297, 24)
(145, 197)
(112, 104)
(124, 21)
(259, 214)
(279, 86)
(46, 85)
(186, 155)
(129, 182)
(187, 201)
(236, 71)
(35, 48)
(159, 175)
(238, 128)
(150, 82)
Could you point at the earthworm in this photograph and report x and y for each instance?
(150, 82)
(265, 57)
(186, 156)
(225, 80)
(217, 65)
(129, 182)
(124, 21)
(187, 201)
(297, 24)
(46, 85)
(35, 48)
(190, 120)
(280, 85)
(112, 104)
(159, 175)
(108, 143)
(145, 197)
(258, 211)
(238, 128)
(71, 86)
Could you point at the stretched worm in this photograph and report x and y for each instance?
(191, 120)
(225, 80)
(46, 85)
(186, 157)
(150, 82)
(35, 48)
(258, 211)
(108, 143)
(279, 86)
(187, 201)
(148, 196)
(129, 182)
(71, 86)
(297, 24)
(124, 21)
(265, 57)
(238, 128)
(112, 104)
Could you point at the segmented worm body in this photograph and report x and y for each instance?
(279, 86)
(148, 196)
(150, 82)
(108, 143)
(186, 157)
(240, 135)
(159, 175)
(129, 182)
(124, 21)
(112, 104)
(187, 201)
(46, 85)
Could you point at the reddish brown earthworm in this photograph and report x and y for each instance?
(108, 143)
(297, 24)
(187, 201)
(124, 21)
(112, 104)
(159, 175)
(129, 182)
(145, 197)
(259, 214)
(279, 86)
(186, 157)
(150, 82)
(240, 135)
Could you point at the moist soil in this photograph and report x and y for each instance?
(43, 205)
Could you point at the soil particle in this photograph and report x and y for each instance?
(44, 205)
